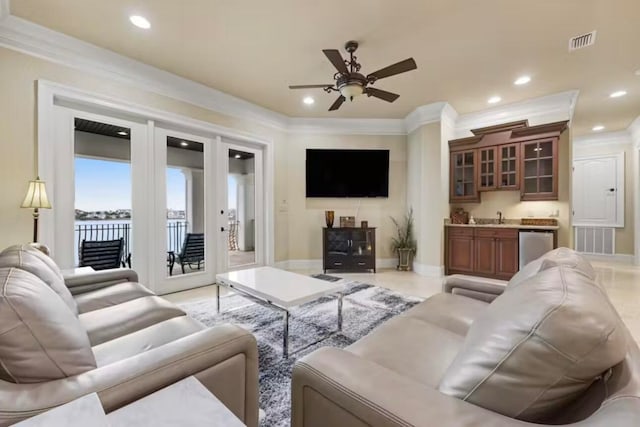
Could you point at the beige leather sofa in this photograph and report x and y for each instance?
(546, 348)
(104, 332)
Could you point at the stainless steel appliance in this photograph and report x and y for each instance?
(533, 244)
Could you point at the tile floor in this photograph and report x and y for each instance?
(622, 282)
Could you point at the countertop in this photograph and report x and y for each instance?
(517, 226)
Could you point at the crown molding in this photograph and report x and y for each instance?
(604, 138)
(35, 40)
(27, 37)
(545, 109)
(347, 126)
(423, 115)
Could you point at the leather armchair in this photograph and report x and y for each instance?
(132, 342)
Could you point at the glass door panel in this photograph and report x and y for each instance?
(185, 220)
(241, 208)
(103, 234)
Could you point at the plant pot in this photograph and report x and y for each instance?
(405, 259)
(328, 217)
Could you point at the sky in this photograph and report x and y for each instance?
(103, 185)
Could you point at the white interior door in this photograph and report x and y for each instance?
(598, 191)
(184, 239)
(242, 218)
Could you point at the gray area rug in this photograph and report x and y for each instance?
(364, 308)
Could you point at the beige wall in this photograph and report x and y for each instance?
(624, 236)
(306, 216)
(508, 202)
(18, 76)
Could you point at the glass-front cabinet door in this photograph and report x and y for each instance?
(362, 247)
(487, 169)
(539, 170)
(463, 186)
(338, 244)
(508, 169)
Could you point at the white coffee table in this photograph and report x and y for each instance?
(280, 290)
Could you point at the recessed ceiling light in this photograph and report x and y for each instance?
(494, 100)
(184, 143)
(308, 100)
(637, 73)
(238, 156)
(522, 80)
(597, 128)
(140, 22)
(123, 133)
(618, 94)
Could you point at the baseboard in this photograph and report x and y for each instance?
(620, 258)
(428, 270)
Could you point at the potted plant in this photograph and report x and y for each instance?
(404, 242)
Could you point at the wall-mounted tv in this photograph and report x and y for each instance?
(347, 173)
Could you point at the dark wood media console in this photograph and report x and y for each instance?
(352, 249)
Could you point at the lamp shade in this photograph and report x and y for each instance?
(36, 196)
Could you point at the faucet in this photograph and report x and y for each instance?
(500, 219)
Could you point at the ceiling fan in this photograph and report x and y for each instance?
(350, 83)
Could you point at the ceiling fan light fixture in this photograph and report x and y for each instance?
(349, 91)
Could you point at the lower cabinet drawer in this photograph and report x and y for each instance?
(337, 263)
(362, 263)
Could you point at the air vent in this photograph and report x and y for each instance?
(581, 41)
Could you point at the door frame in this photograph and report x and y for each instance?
(50, 95)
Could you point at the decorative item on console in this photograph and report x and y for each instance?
(459, 216)
(328, 217)
(347, 221)
(364, 224)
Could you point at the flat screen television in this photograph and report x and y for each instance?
(347, 173)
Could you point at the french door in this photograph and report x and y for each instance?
(184, 237)
(185, 205)
(242, 220)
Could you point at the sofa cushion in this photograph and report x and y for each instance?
(455, 313)
(40, 338)
(35, 262)
(145, 339)
(538, 347)
(411, 347)
(111, 295)
(554, 258)
(113, 322)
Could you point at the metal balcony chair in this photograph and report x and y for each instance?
(192, 253)
(102, 254)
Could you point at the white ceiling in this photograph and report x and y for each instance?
(466, 50)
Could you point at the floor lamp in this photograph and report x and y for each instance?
(36, 199)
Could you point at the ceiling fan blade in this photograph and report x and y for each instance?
(337, 104)
(336, 59)
(382, 94)
(392, 70)
(310, 86)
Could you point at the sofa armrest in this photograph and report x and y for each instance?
(214, 356)
(479, 288)
(85, 282)
(335, 387)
